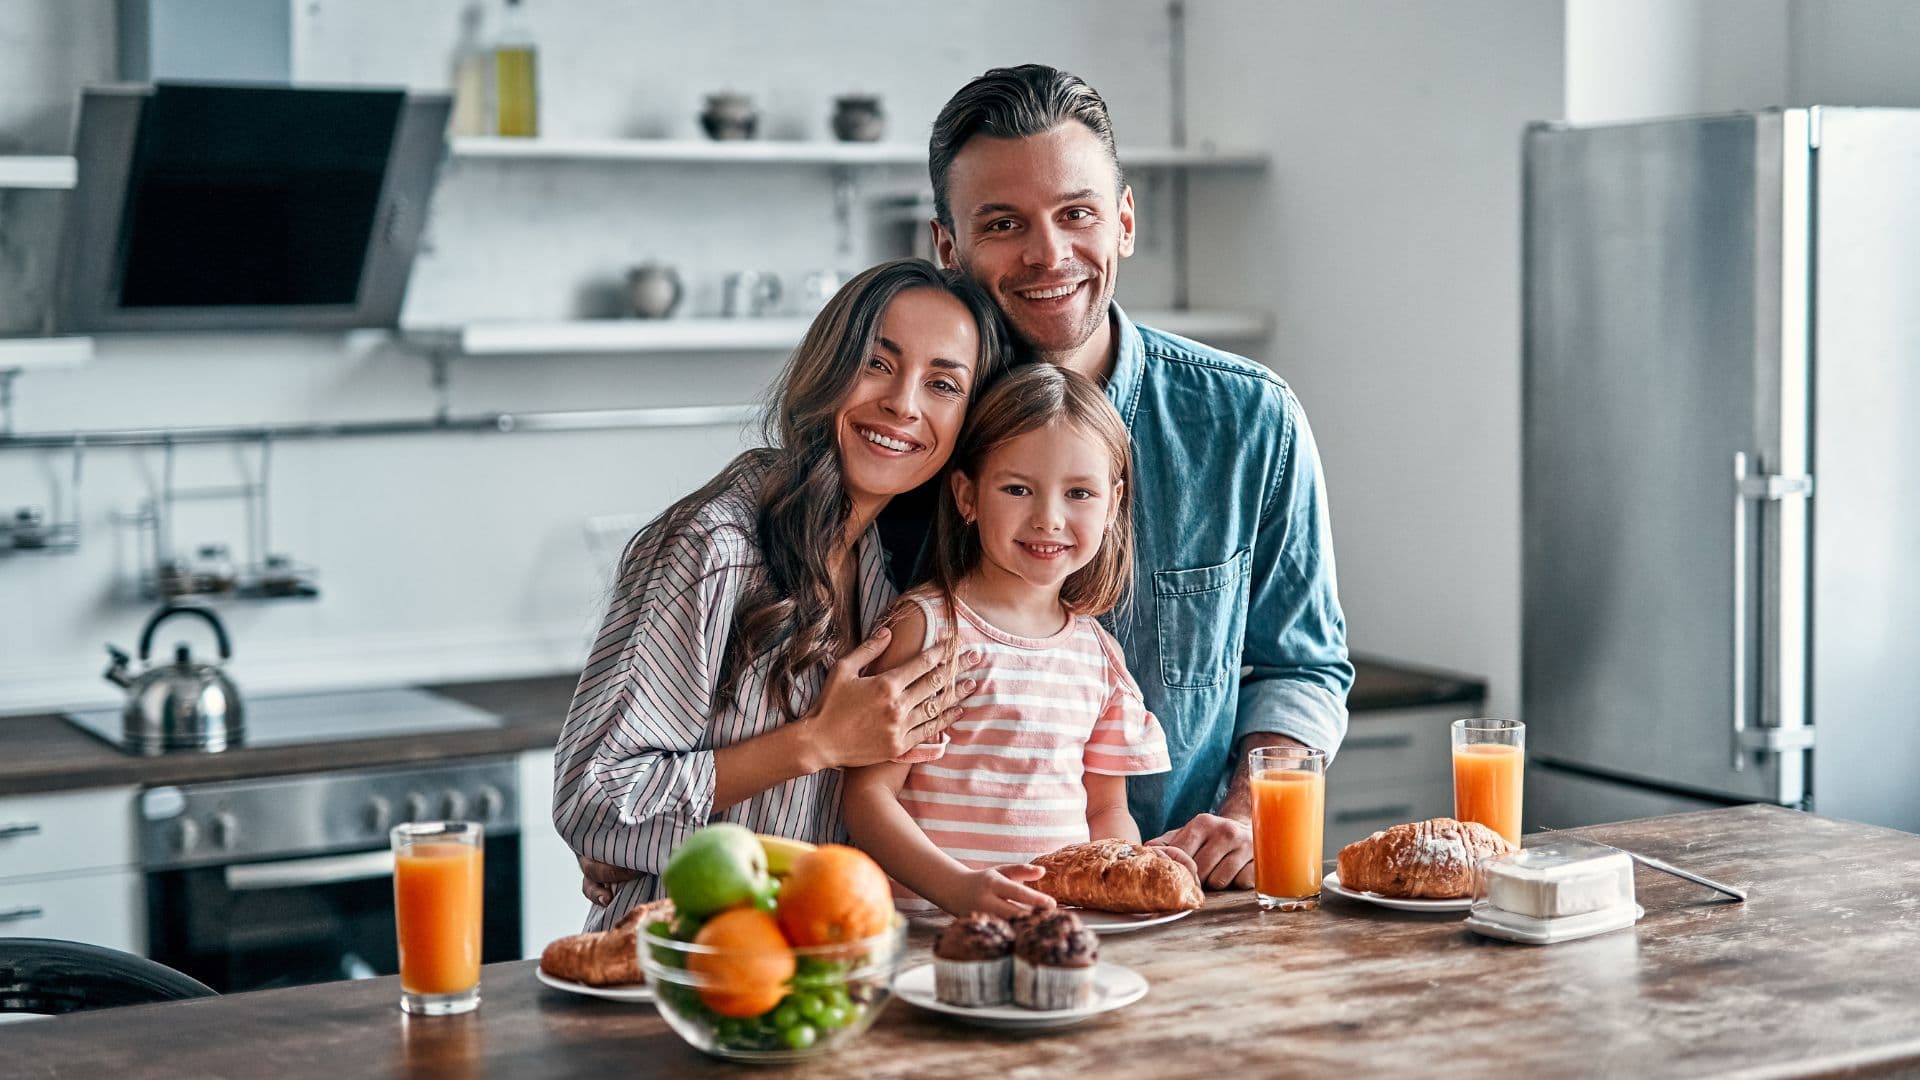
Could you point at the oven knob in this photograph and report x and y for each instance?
(416, 807)
(379, 813)
(223, 829)
(491, 802)
(185, 836)
(454, 803)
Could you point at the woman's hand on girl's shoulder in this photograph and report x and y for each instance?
(865, 719)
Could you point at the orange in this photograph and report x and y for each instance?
(750, 976)
(834, 894)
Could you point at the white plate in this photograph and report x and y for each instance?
(641, 992)
(1113, 987)
(1119, 922)
(1331, 883)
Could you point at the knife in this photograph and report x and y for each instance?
(1665, 867)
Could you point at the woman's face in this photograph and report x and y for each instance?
(899, 421)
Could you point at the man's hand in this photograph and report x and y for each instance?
(599, 879)
(1221, 849)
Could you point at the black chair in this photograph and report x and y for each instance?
(39, 975)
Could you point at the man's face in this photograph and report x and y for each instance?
(1037, 221)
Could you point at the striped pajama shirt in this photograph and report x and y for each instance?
(1005, 783)
(633, 772)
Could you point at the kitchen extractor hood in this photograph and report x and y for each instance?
(206, 206)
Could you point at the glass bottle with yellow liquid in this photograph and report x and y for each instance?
(516, 107)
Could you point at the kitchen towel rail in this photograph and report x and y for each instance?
(672, 416)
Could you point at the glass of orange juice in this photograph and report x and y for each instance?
(436, 911)
(1489, 762)
(1289, 785)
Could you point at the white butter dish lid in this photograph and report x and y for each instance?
(1490, 921)
(1556, 879)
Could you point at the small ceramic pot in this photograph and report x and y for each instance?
(653, 290)
(730, 116)
(858, 118)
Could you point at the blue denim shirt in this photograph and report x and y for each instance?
(1233, 567)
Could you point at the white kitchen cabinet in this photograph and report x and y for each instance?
(551, 904)
(105, 908)
(1396, 765)
(68, 868)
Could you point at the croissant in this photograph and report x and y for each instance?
(604, 957)
(1113, 875)
(1431, 860)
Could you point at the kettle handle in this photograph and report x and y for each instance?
(219, 631)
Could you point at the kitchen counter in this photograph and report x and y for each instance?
(1813, 976)
(45, 753)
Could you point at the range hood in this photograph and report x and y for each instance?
(209, 206)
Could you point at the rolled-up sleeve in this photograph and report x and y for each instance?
(633, 771)
(1296, 646)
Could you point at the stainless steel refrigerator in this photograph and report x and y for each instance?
(1721, 473)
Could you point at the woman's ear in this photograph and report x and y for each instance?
(963, 494)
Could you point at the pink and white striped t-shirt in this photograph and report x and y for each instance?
(1004, 785)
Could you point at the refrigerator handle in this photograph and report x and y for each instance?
(1763, 488)
(1739, 609)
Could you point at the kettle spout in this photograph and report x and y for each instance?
(117, 674)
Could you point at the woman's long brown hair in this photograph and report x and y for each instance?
(788, 615)
(1031, 398)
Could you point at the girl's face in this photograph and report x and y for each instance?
(1042, 502)
(898, 424)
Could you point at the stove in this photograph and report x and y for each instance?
(297, 719)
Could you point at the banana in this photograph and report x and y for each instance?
(781, 852)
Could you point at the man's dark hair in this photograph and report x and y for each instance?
(1013, 103)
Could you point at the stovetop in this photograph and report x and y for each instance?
(334, 716)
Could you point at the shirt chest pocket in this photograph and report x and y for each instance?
(1199, 614)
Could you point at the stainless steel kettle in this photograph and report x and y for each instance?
(184, 705)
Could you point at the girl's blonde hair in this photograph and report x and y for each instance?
(1032, 397)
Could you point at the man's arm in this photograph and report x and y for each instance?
(1295, 649)
(1295, 689)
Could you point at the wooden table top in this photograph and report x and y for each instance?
(1818, 974)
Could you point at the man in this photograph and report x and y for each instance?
(1234, 557)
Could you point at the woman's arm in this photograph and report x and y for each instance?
(1107, 815)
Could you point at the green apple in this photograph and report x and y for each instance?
(720, 866)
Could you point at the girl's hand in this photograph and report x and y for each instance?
(865, 720)
(998, 892)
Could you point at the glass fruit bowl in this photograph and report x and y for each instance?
(771, 1003)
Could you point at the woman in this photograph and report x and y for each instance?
(717, 688)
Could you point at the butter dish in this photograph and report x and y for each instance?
(1560, 890)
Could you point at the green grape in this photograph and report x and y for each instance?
(729, 1030)
(834, 1017)
(786, 1015)
(837, 997)
(813, 1007)
(799, 1036)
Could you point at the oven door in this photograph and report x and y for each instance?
(287, 922)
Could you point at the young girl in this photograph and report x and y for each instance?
(1033, 543)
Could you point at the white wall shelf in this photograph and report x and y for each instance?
(591, 336)
(18, 171)
(802, 152)
(42, 353)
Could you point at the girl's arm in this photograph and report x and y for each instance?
(880, 826)
(1107, 816)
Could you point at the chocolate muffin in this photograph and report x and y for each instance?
(973, 961)
(1053, 961)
